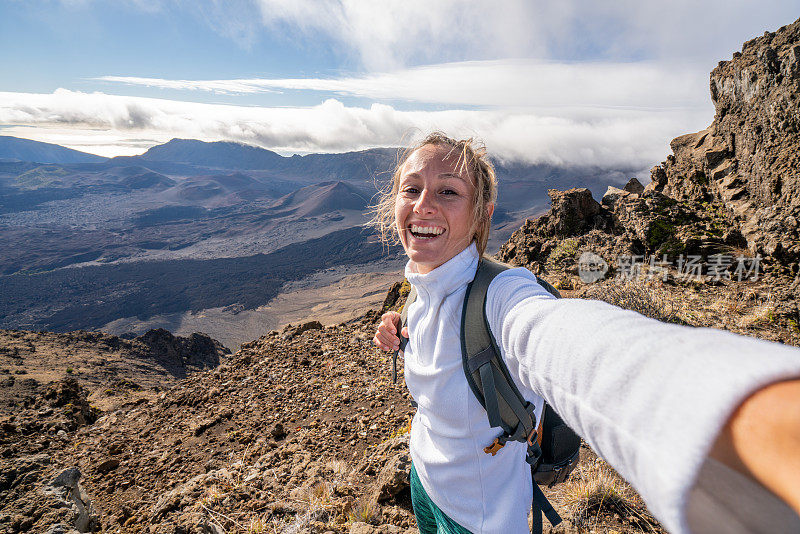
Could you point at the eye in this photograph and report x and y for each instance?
(449, 192)
(410, 189)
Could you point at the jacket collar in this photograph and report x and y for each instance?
(452, 275)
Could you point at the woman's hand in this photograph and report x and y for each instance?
(386, 337)
(762, 440)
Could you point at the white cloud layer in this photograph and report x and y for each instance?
(603, 83)
(506, 83)
(605, 137)
(390, 33)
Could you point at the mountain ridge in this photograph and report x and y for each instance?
(17, 148)
(223, 154)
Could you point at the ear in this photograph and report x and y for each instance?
(490, 209)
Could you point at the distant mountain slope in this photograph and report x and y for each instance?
(523, 185)
(221, 154)
(352, 166)
(321, 198)
(139, 178)
(359, 166)
(222, 189)
(28, 150)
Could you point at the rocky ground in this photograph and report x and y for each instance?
(299, 431)
(114, 368)
(641, 242)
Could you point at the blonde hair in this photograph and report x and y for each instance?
(472, 160)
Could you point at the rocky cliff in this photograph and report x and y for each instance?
(716, 229)
(749, 157)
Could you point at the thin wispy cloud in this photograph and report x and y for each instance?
(148, 6)
(633, 138)
(237, 20)
(232, 87)
(506, 83)
(391, 34)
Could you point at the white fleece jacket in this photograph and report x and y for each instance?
(649, 398)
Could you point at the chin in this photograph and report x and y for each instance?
(427, 263)
(430, 259)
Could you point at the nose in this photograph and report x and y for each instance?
(425, 203)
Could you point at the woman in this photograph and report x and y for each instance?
(700, 421)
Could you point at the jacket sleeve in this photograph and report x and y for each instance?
(649, 397)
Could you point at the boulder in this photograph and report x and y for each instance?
(290, 331)
(613, 194)
(392, 463)
(67, 489)
(68, 393)
(180, 354)
(573, 211)
(634, 186)
(363, 528)
(107, 466)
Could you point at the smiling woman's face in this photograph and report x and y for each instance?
(434, 207)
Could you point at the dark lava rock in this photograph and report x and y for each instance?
(179, 354)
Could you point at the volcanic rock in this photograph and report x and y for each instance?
(198, 351)
(69, 394)
(68, 491)
(289, 331)
(392, 479)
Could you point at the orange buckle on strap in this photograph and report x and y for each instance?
(532, 437)
(494, 447)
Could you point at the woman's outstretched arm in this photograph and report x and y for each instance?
(762, 440)
(652, 398)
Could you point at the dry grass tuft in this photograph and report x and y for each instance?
(212, 496)
(636, 296)
(320, 495)
(339, 468)
(597, 491)
(258, 525)
(364, 510)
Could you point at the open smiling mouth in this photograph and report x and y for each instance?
(425, 232)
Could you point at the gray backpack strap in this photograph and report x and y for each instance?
(412, 296)
(490, 381)
(549, 287)
(486, 373)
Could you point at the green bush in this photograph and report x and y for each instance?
(566, 249)
(658, 232)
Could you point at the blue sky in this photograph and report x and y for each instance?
(67, 44)
(571, 82)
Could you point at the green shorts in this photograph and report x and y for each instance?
(430, 519)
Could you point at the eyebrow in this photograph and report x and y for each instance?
(442, 175)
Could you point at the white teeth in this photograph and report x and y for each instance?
(426, 229)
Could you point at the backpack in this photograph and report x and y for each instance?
(553, 448)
